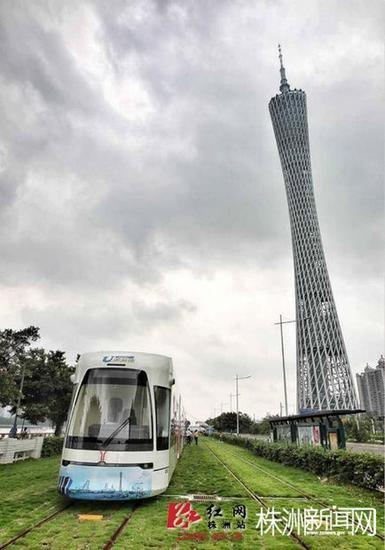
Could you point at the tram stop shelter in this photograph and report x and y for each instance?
(318, 428)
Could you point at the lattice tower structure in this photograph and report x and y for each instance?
(324, 378)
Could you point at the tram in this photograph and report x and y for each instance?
(125, 427)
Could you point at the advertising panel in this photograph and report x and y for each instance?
(316, 436)
(104, 482)
(305, 435)
(284, 433)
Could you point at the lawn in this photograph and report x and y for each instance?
(28, 493)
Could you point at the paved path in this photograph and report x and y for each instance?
(365, 448)
(356, 447)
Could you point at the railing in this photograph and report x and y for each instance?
(12, 450)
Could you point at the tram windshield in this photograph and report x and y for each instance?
(112, 411)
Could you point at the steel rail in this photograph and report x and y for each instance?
(35, 526)
(309, 497)
(255, 497)
(284, 482)
(119, 530)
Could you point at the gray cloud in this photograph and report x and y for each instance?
(136, 151)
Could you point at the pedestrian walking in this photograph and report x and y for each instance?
(196, 433)
(189, 436)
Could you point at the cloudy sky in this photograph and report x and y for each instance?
(142, 203)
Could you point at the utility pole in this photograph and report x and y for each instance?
(231, 402)
(283, 357)
(237, 395)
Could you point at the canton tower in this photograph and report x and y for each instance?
(324, 378)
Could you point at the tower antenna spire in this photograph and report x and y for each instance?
(284, 87)
(280, 55)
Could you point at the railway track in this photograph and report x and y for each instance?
(284, 482)
(119, 530)
(308, 497)
(262, 501)
(108, 545)
(38, 524)
(256, 497)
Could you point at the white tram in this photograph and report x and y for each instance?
(125, 427)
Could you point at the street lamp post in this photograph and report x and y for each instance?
(283, 361)
(237, 394)
(283, 357)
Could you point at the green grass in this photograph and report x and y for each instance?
(326, 491)
(147, 530)
(256, 480)
(330, 493)
(28, 493)
(199, 472)
(67, 532)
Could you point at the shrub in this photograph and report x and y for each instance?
(363, 469)
(52, 445)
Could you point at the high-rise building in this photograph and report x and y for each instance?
(371, 388)
(324, 378)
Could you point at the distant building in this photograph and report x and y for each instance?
(371, 388)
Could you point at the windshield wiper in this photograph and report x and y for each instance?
(122, 425)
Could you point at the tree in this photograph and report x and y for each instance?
(227, 422)
(359, 429)
(59, 402)
(14, 345)
(47, 387)
(263, 427)
(44, 377)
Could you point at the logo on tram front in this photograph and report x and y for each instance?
(125, 358)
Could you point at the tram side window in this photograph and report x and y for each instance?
(162, 407)
(173, 422)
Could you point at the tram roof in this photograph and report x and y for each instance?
(134, 359)
(99, 355)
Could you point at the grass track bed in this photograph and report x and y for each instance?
(147, 530)
(28, 493)
(257, 481)
(199, 472)
(67, 532)
(329, 493)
